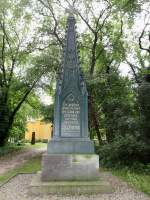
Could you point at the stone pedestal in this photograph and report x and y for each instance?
(70, 167)
(39, 187)
(70, 146)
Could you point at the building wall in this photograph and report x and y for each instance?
(42, 130)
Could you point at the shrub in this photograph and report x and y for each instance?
(124, 151)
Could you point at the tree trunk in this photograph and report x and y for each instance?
(94, 119)
(4, 116)
(4, 122)
(97, 128)
(109, 135)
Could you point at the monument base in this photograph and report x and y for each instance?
(70, 146)
(69, 187)
(70, 167)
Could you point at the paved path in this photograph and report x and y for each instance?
(18, 158)
(18, 189)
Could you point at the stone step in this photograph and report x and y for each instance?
(69, 187)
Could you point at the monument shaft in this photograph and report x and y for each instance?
(71, 95)
(71, 103)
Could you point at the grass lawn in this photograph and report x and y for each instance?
(31, 166)
(14, 148)
(37, 145)
(138, 180)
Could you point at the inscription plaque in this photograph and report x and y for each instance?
(70, 117)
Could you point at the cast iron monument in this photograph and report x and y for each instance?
(70, 165)
(71, 109)
(70, 154)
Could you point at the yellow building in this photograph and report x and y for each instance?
(42, 130)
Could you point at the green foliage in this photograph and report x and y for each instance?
(126, 132)
(48, 112)
(144, 106)
(127, 6)
(31, 107)
(14, 55)
(19, 126)
(19, 72)
(124, 151)
(114, 101)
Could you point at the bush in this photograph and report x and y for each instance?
(124, 151)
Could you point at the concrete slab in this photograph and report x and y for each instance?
(70, 167)
(69, 187)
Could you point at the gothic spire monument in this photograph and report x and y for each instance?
(71, 104)
(70, 166)
(70, 153)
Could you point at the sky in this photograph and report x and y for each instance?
(44, 98)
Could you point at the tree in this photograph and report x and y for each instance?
(144, 105)
(137, 55)
(30, 108)
(14, 52)
(48, 112)
(118, 105)
(18, 74)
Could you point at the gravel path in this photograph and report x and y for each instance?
(18, 158)
(17, 189)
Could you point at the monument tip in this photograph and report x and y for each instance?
(71, 10)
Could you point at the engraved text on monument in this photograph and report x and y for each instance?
(70, 117)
